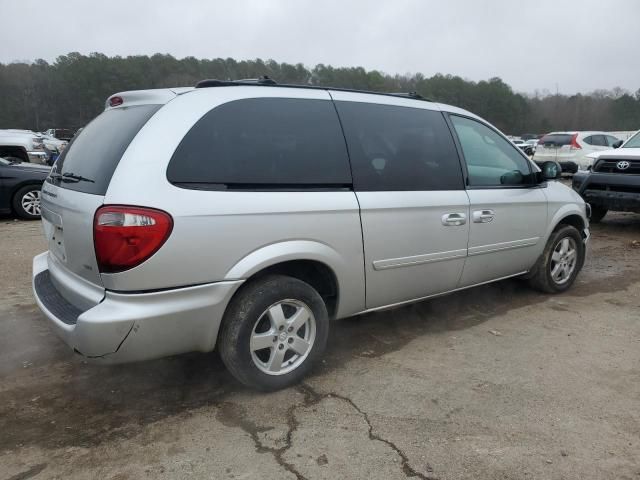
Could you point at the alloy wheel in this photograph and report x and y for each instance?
(30, 202)
(283, 337)
(563, 260)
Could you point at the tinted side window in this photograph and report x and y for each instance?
(588, 140)
(611, 140)
(399, 148)
(491, 159)
(599, 141)
(264, 142)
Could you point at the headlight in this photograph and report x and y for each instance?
(38, 143)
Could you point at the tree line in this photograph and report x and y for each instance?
(72, 90)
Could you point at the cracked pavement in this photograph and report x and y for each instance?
(494, 382)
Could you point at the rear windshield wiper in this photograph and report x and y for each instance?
(70, 177)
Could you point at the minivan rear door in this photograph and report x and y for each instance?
(76, 187)
(413, 207)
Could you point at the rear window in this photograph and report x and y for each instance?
(89, 161)
(263, 143)
(556, 139)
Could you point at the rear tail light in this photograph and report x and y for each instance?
(124, 237)
(574, 142)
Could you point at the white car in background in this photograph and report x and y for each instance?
(22, 145)
(533, 143)
(524, 146)
(53, 143)
(630, 148)
(571, 149)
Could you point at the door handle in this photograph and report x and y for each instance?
(483, 216)
(454, 219)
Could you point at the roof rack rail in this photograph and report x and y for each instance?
(415, 95)
(269, 82)
(264, 80)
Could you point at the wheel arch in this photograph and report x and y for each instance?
(312, 262)
(17, 151)
(568, 215)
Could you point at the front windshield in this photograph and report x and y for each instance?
(4, 162)
(633, 142)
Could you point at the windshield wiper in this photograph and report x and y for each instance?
(70, 177)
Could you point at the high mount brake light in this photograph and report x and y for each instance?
(124, 237)
(115, 101)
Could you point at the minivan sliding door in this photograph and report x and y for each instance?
(413, 207)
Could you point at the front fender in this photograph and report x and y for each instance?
(349, 272)
(565, 211)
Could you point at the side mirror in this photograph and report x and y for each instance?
(550, 170)
(617, 144)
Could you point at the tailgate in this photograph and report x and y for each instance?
(67, 219)
(73, 192)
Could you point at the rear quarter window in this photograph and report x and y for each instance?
(263, 143)
(88, 162)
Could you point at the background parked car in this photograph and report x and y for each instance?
(22, 145)
(20, 185)
(524, 146)
(53, 147)
(570, 149)
(629, 148)
(533, 143)
(613, 182)
(65, 134)
(52, 142)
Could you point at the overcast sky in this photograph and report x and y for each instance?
(578, 45)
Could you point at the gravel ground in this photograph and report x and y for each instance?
(498, 382)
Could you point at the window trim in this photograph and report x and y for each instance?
(463, 161)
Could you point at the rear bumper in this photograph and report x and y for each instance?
(127, 327)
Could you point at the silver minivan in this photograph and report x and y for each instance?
(245, 215)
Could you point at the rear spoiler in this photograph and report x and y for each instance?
(157, 96)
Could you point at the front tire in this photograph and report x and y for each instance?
(273, 331)
(560, 262)
(597, 213)
(26, 202)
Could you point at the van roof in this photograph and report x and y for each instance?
(164, 95)
(268, 82)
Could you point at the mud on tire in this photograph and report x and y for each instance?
(547, 275)
(274, 330)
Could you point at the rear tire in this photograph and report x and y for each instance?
(26, 202)
(560, 262)
(273, 331)
(597, 213)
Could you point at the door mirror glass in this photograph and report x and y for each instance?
(550, 170)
